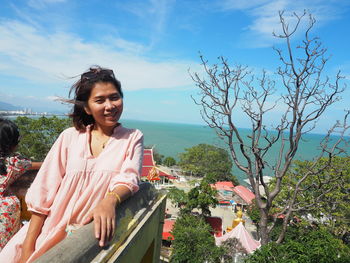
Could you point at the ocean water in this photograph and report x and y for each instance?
(170, 139)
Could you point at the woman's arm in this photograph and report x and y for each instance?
(121, 187)
(104, 214)
(35, 166)
(35, 226)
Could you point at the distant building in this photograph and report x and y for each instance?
(237, 196)
(152, 173)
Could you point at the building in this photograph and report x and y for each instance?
(237, 196)
(152, 173)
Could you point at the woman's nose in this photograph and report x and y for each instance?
(109, 104)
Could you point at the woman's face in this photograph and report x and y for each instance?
(105, 105)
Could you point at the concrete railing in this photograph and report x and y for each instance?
(137, 238)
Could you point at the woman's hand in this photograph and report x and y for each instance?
(104, 219)
(27, 251)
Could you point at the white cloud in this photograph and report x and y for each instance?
(241, 4)
(52, 98)
(265, 19)
(30, 54)
(153, 13)
(129, 46)
(38, 4)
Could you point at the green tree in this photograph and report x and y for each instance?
(254, 213)
(38, 135)
(303, 245)
(325, 195)
(169, 161)
(200, 197)
(178, 197)
(208, 160)
(193, 242)
(232, 247)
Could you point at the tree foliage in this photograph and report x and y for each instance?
(303, 245)
(254, 213)
(193, 241)
(169, 161)
(232, 247)
(226, 91)
(178, 197)
(323, 197)
(207, 160)
(38, 135)
(200, 197)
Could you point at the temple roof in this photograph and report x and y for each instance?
(148, 163)
(244, 193)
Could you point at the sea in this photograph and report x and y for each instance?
(171, 139)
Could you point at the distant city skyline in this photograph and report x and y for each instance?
(151, 45)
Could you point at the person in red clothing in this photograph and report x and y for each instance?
(11, 167)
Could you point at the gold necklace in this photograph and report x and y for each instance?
(102, 142)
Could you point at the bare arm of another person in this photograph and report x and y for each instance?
(104, 214)
(35, 166)
(34, 230)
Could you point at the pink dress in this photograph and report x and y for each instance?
(71, 182)
(10, 212)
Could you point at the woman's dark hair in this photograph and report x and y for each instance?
(9, 138)
(82, 90)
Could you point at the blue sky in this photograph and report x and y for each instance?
(151, 45)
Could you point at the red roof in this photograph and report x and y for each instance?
(162, 173)
(147, 160)
(148, 163)
(167, 228)
(244, 193)
(216, 223)
(225, 183)
(148, 157)
(145, 170)
(227, 186)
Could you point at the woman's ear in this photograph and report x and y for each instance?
(87, 110)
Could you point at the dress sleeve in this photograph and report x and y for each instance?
(43, 190)
(131, 168)
(16, 166)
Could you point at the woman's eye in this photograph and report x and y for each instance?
(99, 101)
(115, 97)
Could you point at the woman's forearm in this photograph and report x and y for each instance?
(122, 191)
(34, 230)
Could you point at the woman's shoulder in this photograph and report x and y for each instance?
(131, 131)
(18, 161)
(71, 131)
(69, 134)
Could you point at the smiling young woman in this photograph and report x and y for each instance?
(105, 105)
(91, 169)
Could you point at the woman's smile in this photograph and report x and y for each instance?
(105, 105)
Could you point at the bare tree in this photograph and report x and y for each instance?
(225, 92)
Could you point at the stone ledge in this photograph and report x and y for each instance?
(82, 246)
